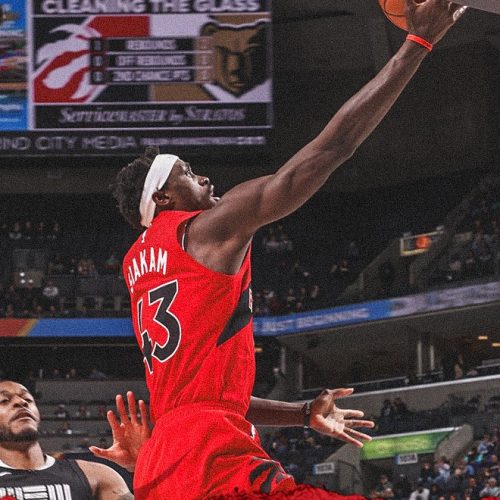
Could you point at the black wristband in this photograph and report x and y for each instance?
(306, 410)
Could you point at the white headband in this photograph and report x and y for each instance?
(157, 176)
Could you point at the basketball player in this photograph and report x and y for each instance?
(26, 472)
(189, 280)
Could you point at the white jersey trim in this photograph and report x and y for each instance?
(49, 462)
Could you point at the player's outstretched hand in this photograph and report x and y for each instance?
(328, 419)
(129, 433)
(431, 19)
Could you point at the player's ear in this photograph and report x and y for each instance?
(162, 199)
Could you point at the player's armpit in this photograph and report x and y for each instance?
(122, 495)
(107, 483)
(113, 487)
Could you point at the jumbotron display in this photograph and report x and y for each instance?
(113, 76)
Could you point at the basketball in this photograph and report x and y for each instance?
(394, 10)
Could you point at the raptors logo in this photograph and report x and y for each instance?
(62, 71)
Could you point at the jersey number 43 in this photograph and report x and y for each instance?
(168, 323)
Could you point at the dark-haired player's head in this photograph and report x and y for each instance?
(128, 186)
(154, 182)
(19, 415)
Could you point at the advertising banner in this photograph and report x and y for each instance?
(108, 76)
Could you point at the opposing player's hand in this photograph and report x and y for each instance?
(328, 419)
(129, 433)
(431, 19)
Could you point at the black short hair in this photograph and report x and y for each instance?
(19, 382)
(11, 380)
(128, 185)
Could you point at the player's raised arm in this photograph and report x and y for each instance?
(255, 203)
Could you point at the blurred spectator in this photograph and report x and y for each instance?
(102, 411)
(384, 487)
(12, 296)
(260, 307)
(72, 374)
(402, 487)
(299, 274)
(400, 408)
(72, 267)
(314, 300)
(62, 412)
(456, 483)
(483, 254)
(491, 489)
(39, 235)
(271, 243)
(290, 300)
(87, 267)
(9, 311)
(275, 240)
(491, 462)
(28, 235)
(470, 265)
(455, 268)
(344, 272)
(56, 265)
(112, 265)
(420, 493)
(52, 312)
(50, 294)
(82, 311)
(474, 460)
(54, 236)
(472, 489)
(83, 412)
(443, 472)
(449, 360)
(15, 234)
(435, 491)
(55, 374)
(37, 312)
(485, 446)
(65, 428)
(386, 420)
(459, 367)
(96, 374)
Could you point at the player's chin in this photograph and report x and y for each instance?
(25, 423)
(212, 201)
(28, 433)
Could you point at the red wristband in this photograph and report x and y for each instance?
(420, 41)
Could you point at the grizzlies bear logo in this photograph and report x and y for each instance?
(240, 56)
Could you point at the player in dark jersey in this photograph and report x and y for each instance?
(26, 472)
(189, 280)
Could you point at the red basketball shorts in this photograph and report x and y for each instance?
(197, 451)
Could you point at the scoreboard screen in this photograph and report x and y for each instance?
(94, 77)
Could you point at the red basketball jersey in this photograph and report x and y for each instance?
(194, 325)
